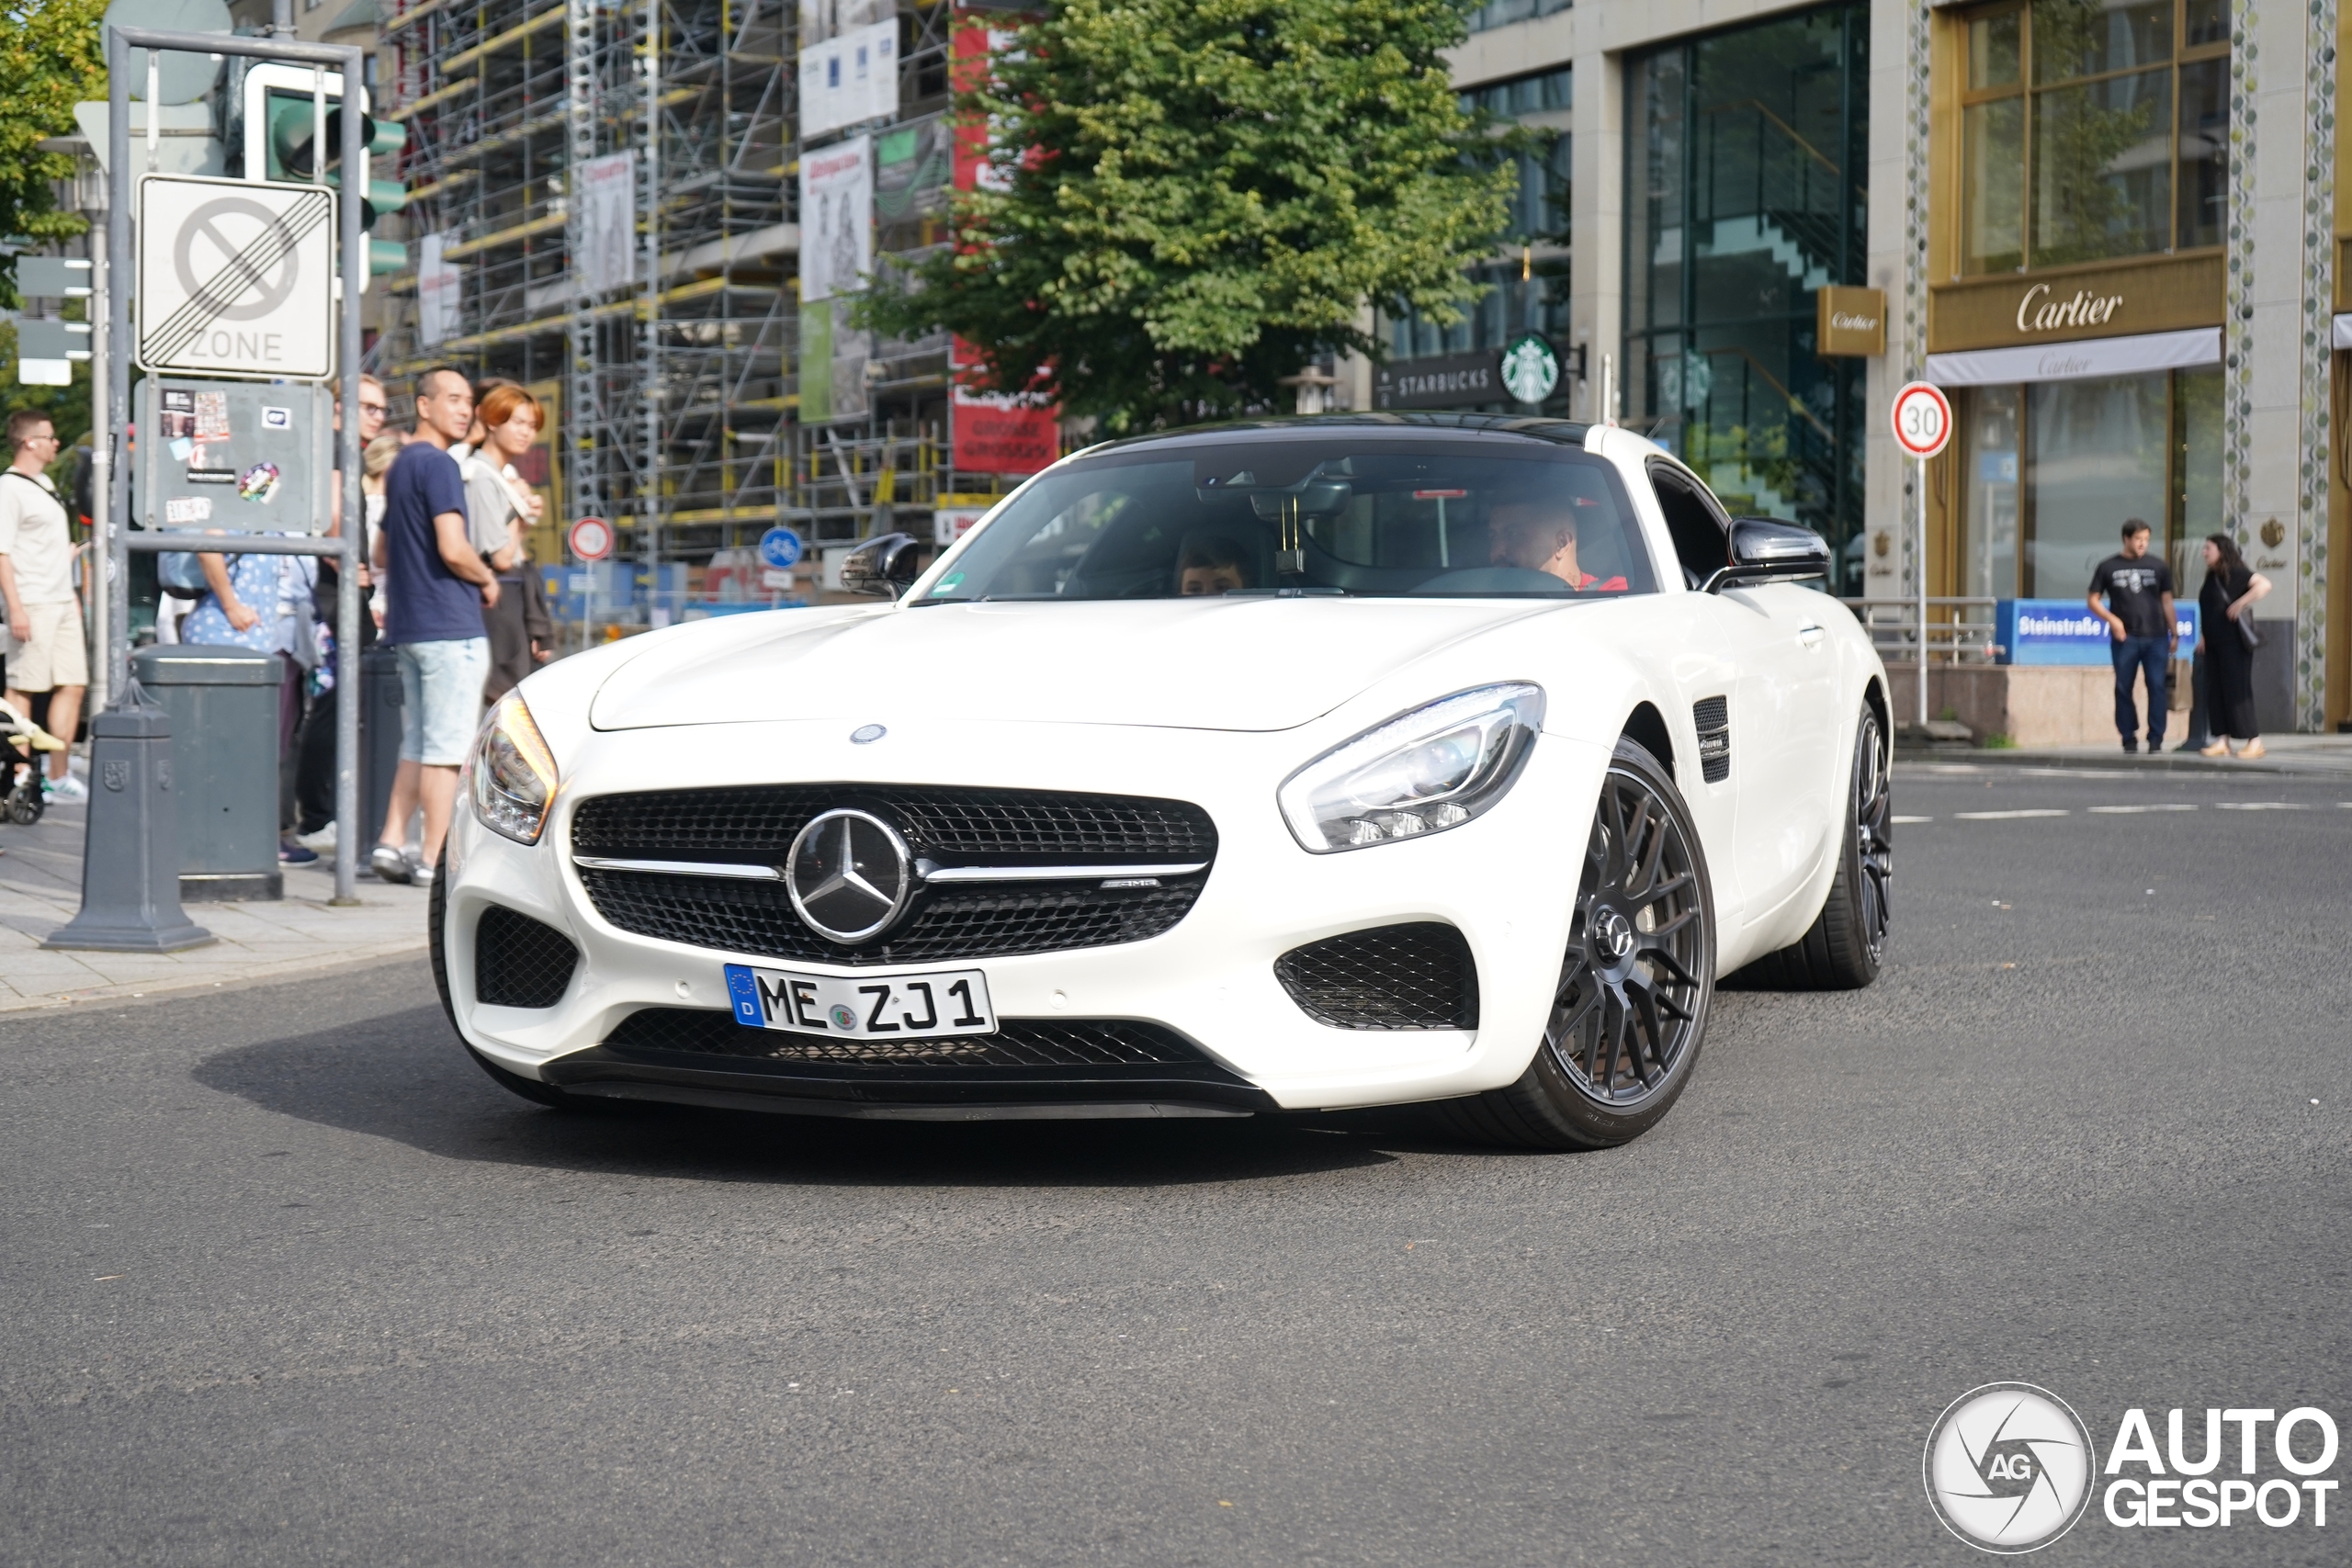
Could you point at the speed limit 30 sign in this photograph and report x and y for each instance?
(1922, 420)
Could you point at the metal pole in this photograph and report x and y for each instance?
(353, 532)
(101, 572)
(648, 490)
(116, 573)
(1921, 574)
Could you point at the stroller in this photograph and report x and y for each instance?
(21, 743)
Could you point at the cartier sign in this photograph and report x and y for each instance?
(2019, 309)
(1849, 320)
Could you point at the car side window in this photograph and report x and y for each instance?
(1702, 541)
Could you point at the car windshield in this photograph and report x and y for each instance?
(1462, 519)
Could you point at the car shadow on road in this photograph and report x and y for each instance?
(403, 1075)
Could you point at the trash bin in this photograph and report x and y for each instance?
(223, 706)
(380, 741)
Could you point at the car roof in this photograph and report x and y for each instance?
(1483, 427)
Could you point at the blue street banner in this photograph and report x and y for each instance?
(2063, 631)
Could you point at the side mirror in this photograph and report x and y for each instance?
(1765, 551)
(886, 566)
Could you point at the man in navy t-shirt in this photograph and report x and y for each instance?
(436, 587)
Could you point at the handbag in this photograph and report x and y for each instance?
(2244, 620)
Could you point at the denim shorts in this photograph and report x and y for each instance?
(441, 686)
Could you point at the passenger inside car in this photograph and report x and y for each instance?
(1210, 564)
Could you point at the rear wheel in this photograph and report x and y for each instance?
(1847, 942)
(1630, 1005)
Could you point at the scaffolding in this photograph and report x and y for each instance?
(672, 389)
(674, 393)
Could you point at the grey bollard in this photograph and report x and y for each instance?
(130, 857)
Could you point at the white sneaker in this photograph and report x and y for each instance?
(322, 840)
(64, 791)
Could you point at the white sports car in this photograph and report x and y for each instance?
(1290, 765)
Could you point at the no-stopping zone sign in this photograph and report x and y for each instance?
(236, 278)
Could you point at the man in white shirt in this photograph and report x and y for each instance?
(46, 652)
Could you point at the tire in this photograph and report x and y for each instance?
(1635, 985)
(1847, 942)
(437, 910)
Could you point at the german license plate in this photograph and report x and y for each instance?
(863, 1007)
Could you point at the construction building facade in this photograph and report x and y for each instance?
(603, 207)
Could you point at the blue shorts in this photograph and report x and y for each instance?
(441, 686)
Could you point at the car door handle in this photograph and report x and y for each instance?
(1810, 635)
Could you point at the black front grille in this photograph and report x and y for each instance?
(1018, 1043)
(987, 922)
(519, 963)
(948, 827)
(1405, 977)
(953, 827)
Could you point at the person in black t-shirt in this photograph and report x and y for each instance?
(2138, 613)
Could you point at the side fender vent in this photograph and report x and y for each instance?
(1712, 717)
(519, 963)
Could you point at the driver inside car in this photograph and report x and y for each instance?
(1210, 566)
(1537, 533)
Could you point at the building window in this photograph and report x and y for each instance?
(1745, 182)
(2051, 470)
(1546, 91)
(2092, 130)
(1503, 13)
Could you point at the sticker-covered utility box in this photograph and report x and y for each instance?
(243, 456)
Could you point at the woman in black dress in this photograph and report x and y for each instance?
(2229, 595)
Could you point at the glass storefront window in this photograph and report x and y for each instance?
(1746, 155)
(2051, 471)
(2092, 130)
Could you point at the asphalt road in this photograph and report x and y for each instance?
(283, 1279)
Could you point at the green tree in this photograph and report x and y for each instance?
(1200, 195)
(51, 56)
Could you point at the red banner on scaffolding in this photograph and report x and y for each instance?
(989, 431)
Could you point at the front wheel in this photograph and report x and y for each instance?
(1631, 1003)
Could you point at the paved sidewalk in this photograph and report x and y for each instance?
(2318, 754)
(41, 888)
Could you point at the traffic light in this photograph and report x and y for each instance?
(281, 124)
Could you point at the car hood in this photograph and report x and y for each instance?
(1237, 664)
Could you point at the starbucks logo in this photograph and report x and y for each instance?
(1530, 369)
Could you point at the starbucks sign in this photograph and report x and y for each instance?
(1530, 369)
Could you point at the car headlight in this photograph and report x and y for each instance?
(1422, 771)
(514, 774)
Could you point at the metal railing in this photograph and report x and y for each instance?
(1958, 631)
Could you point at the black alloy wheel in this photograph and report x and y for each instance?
(1627, 1005)
(1873, 843)
(1846, 943)
(1630, 1004)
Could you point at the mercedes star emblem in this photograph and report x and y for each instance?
(849, 874)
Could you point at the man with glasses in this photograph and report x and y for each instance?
(46, 652)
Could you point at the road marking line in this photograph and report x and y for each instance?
(1902, 819)
(2259, 806)
(2084, 772)
(2136, 810)
(2004, 815)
